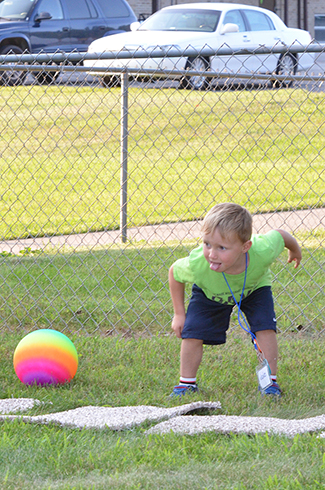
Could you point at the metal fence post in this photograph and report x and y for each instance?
(124, 155)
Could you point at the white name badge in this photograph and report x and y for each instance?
(263, 375)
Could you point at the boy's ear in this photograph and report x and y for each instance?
(246, 246)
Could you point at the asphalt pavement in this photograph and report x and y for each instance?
(291, 221)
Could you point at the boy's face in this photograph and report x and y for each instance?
(225, 254)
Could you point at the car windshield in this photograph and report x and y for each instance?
(15, 9)
(182, 20)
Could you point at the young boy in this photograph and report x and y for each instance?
(231, 263)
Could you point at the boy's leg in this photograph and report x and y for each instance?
(259, 310)
(208, 320)
(191, 357)
(267, 341)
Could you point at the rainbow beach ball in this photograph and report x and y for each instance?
(45, 356)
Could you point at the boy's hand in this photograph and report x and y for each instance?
(177, 290)
(178, 324)
(294, 251)
(294, 256)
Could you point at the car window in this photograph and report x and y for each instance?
(78, 10)
(15, 10)
(182, 20)
(259, 21)
(93, 11)
(113, 8)
(53, 7)
(235, 17)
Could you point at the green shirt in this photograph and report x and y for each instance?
(196, 269)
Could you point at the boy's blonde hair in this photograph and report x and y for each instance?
(229, 218)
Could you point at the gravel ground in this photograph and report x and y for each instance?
(169, 419)
(13, 405)
(226, 424)
(90, 417)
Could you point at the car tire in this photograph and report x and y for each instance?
(287, 65)
(46, 77)
(111, 81)
(196, 82)
(16, 77)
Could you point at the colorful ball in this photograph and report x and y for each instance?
(45, 356)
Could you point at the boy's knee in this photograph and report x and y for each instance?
(266, 333)
(192, 342)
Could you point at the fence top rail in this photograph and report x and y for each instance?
(171, 52)
(151, 71)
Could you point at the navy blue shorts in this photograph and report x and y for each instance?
(208, 320)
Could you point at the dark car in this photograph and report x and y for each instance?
(51, 25)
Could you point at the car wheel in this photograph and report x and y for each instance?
(12, 78)
(46, 77)
(287, 65)
(196, 82)
(111, 81)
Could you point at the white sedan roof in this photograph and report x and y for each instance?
(213, 6)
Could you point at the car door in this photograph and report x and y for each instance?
(52, 32)
(117, 14)
(238, 63)
(85, 22)
(263, 33)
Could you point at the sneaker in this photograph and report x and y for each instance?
(181, 390)
(274, 390)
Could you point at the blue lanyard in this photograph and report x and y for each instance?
(240, 313)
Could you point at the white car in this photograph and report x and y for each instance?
(204, 26)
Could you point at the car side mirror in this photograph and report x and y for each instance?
(134, 26)
(43, 16)
(227, 28)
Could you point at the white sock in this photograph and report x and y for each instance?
(187, 381)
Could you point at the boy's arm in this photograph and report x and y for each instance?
(177, 292)
(293, 247)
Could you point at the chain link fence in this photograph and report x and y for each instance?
(106, 174)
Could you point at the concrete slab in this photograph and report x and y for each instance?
(292, 221)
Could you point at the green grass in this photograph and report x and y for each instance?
(125, 290)
(60, 174)
(119, 372)
(60, 155)
(132, 369)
